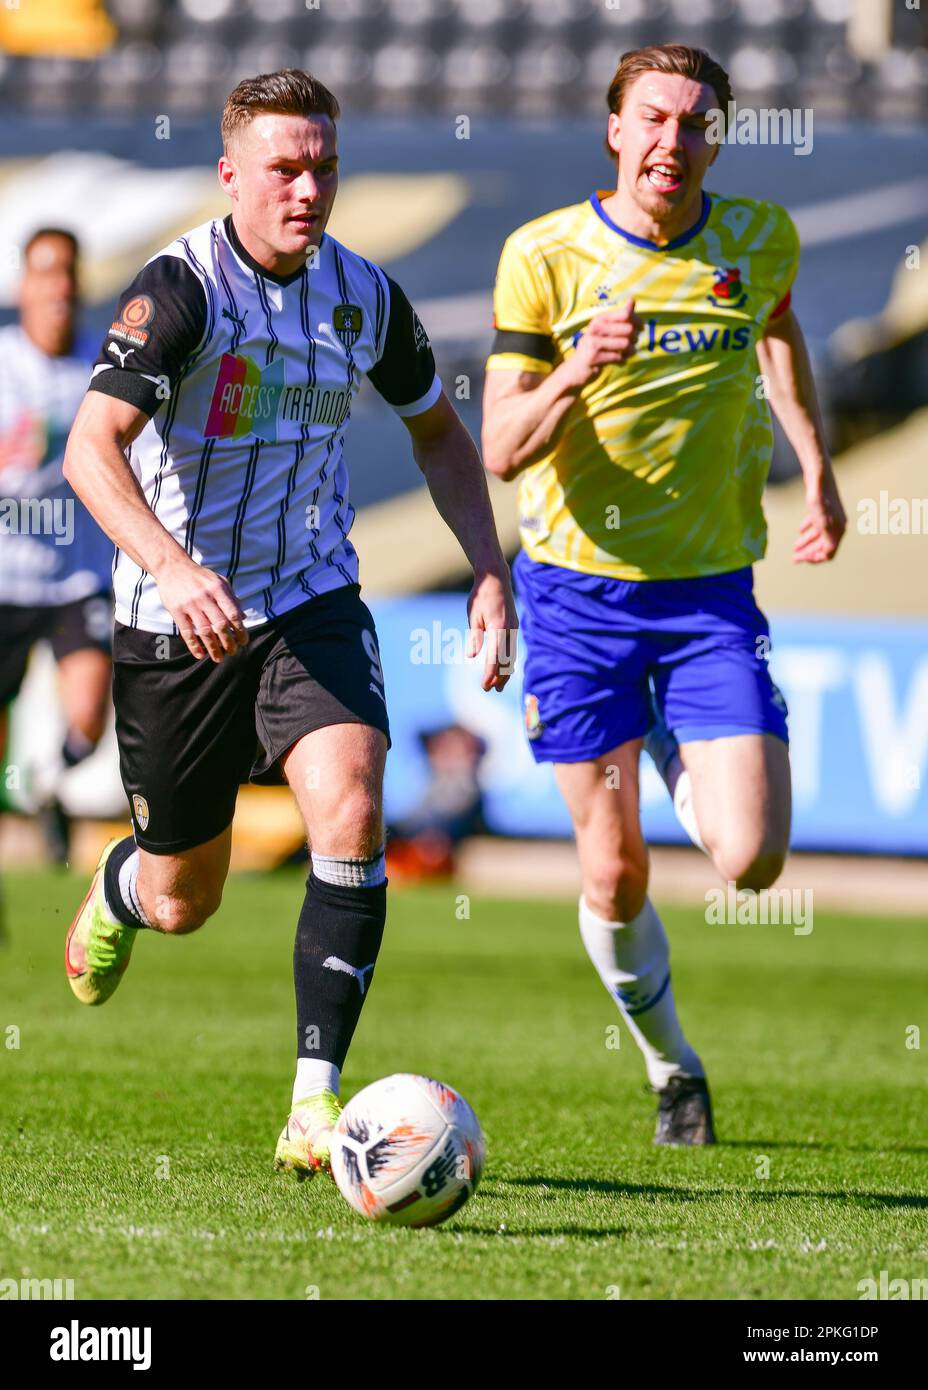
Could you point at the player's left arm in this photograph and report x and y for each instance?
(784, 363)
(448, 458)
(405, 376)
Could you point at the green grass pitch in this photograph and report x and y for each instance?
(136, 1139)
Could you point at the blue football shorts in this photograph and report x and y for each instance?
(596, 648)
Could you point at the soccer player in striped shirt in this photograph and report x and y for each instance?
(622, 391)
(210, 448)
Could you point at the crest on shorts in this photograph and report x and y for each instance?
(140, 811)
(533, 725)
(347, 320)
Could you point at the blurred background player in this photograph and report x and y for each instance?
(630, 328)
(55, 561)
(421, 844)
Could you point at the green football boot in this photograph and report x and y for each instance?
(97, 950)
(304, 1145)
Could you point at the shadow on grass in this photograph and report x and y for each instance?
(603, 1187)
(762, 1144)
(522, 1232)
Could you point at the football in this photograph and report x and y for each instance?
(407, 1151)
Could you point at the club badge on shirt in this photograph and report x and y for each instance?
(347, 320)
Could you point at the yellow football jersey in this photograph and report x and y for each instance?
(658, 469)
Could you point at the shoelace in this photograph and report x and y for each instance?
(103, 946)
(102, 949)
(323, 1110)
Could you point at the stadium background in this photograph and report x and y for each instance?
(463, 118)
(136, 1140)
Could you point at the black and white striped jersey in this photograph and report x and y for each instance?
(249, 380)
(52, 551)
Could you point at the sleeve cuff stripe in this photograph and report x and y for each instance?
(423, 403)
(782, 306)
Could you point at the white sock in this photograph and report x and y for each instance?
(682, 793)
(351, 873)
(664, 752)
(108, 912)
(129, 887)
(128, 892)
(313, 1077)
(633, 961)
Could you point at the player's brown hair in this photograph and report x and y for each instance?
(290, 92)
(43, 232)
(676, 58)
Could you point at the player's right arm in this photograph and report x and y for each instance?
(528, 393)
(161, 320)
(522, 409)
(201, 603)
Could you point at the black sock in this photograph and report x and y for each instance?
(111, 883)
(76, 748)
(345, 927)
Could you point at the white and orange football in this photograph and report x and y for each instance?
(407, 1151)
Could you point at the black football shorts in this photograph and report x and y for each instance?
(191, 731)
(67, 627)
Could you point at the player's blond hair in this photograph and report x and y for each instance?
(675, 58)
(289, 92)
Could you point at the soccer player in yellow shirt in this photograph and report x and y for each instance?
(634, 331)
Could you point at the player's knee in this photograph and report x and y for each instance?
(354, 827)
(748, 867)
(89, 721)
(763, 871)
(616, 889)
(178, 915)
(86, 716)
